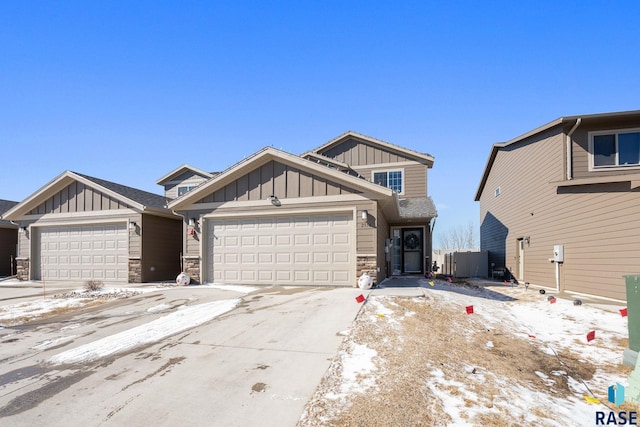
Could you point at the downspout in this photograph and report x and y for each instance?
(569, 150)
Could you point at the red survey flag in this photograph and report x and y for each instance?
(506, 283)
(360, 298)
(469, 309)
(552, 301)
(623, 312)
(591, 336)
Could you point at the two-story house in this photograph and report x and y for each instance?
(353, 205)
(559, 205)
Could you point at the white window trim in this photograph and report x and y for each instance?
(387, 170)
(592, 166)
(188, 187)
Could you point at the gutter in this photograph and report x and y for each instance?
(569, 151)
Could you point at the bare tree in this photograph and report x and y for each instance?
(459, 238)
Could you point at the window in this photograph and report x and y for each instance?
(390, 179)
(182, 190)
(615, 148)
(497, 191)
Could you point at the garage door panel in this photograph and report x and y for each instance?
(98, 251)
(301, 250)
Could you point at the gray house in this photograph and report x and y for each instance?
(559, 205)
(8, 241)
(78, 227)
(353, 205)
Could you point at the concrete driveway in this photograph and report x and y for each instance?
(256, 365)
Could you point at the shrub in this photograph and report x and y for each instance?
(93, 285)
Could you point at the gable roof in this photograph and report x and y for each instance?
(180, 170)
(422, 157)
(5, 205)
(261, 157)
(138, 199)
(561, 121)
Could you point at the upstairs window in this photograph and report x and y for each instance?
(615, 148)
(183, 190)
(389, 179)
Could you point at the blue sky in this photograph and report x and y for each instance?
(128, 91)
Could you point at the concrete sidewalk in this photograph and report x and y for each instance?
(404, 286)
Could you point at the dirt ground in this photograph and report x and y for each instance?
(424, 345)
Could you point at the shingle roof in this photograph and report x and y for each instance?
(143, 197)
(417, 207)
(5, 205)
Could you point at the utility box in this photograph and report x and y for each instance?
(558, 253)
(633, 313)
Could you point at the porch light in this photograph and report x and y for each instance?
(192, 222)
(365, 215)
(23, 229)
(132, 225)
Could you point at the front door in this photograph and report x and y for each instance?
(412, 250)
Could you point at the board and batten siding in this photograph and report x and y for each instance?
(595, 223)
(355, 152)
(77, 197)
(278, 179)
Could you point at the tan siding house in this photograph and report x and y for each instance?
(79, 228)
(315, 219)
(572, 184)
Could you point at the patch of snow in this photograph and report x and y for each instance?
(489, 344)
(52, 343)
(180, 320)
(158, 308)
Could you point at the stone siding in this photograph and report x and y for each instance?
(135, 270)
(192, 268)
(22, 270)
(366, 264)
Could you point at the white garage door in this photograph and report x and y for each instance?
(85, 252)
(298, 250)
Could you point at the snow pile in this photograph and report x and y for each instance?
(181, 320)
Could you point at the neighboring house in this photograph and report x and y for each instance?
(559, 205)
(78, 227)
(322, 218)
(8, 241)
(181, 180)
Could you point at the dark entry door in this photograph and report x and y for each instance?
(412, 250)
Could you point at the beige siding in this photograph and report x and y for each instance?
(382, 228)
(596, 223)
(580, 149)
(278, 179)
(76, 197)
(135, 238)
(162, 244)
(188, 178)
(357, 153)
(414, 176)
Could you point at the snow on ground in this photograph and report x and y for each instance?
(186, 317)
(558, 328)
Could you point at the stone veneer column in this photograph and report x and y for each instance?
(367, 264)
(22, 271)
(192, 268)
(135, 270)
